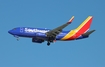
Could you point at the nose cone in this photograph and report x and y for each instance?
(10, 32)
(14, 31)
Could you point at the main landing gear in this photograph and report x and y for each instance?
(50, 40)
(48, 43)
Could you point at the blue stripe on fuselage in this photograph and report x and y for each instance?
(38, 32)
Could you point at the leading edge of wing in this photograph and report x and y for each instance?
(54, 32)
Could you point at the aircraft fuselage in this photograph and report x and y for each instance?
(34, 32)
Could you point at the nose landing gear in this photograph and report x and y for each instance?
(17, 38)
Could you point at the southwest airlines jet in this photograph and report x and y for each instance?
(39, 35)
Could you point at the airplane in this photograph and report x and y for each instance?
(40, 35)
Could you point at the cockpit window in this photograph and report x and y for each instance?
(14, 29)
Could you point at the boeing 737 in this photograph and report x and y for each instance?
(39, 35)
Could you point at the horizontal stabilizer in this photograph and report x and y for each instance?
(88, 33)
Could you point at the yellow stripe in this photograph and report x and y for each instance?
(83, 23)
(70, 34)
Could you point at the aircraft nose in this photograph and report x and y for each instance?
(10, 31)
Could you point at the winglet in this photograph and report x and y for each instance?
(71, 20)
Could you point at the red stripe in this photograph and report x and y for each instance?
(82, 30)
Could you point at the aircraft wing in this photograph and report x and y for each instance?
(53, 33)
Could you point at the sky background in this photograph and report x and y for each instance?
(88, 52)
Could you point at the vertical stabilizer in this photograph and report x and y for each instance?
(85, 26)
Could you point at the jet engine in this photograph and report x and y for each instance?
(36, 40)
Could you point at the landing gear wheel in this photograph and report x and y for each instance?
(48, 43)
(17, 39)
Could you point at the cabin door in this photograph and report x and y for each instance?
(21, 29)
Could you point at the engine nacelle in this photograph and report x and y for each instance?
(35, 40)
